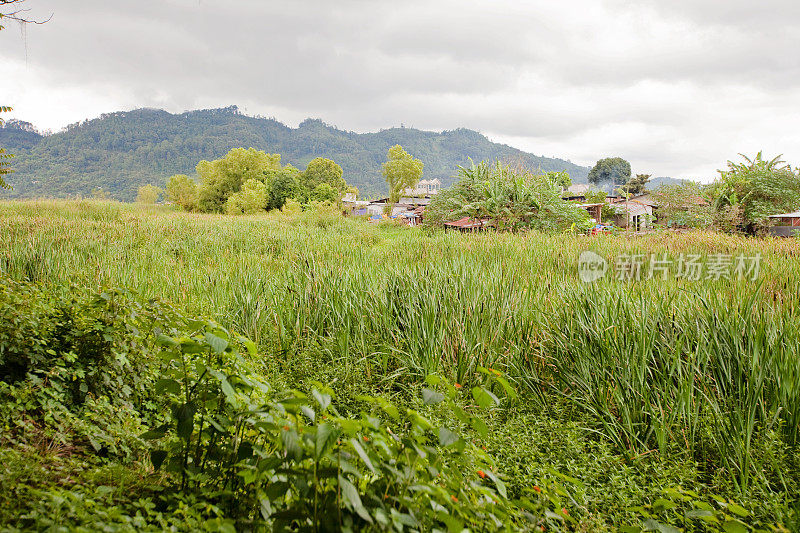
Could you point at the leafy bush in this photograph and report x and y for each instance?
(747, 193)
(512, 199)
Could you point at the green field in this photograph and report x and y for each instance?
(626, 391)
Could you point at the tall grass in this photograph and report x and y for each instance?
(696, 370)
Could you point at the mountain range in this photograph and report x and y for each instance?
(119, 152)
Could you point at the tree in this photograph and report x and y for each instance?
(321, 170)
(401, 171)
(223, 177)
(747, 193)
(284, 184)
(148, 194)
(252, 198)
(636, 185)
(182, 191)
(325, 193)
(560, 179)
(611, 169)
(683, 204)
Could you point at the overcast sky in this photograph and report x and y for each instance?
(676, 87)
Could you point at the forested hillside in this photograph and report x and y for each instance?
(119, 152)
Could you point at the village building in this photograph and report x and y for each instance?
(786, 224)
(468, 224)
(423, 188)
(633, 214)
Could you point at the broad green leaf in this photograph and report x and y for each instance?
(734, 526)
(157, 458)
(447, 437)
(352, 499)
(362, 454)
(484, 398)
(663, 505)
(164, 340)
(480, 426)
(184, 417)
(217, 344)
(738, 510)
(501, 487)
(309, 412)
(431, 397)
(324, 400)
(324, 432)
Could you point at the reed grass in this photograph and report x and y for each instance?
(689, 369)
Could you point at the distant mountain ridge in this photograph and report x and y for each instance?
(121, 151)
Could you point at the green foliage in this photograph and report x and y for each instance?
(512, 199)
(636, 185)
(182, 191)
(400, 171)
(684, 205)
(223, 177)
(623, 388)
(686, 510)
(284, 185)
(610, 169)
(748, 192)
(560, 179)
(323, 171)
(324, 193)
(122, 151)
(252, 198)
(148, 194)
(291, 207)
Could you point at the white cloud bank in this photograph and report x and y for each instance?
(675, 87)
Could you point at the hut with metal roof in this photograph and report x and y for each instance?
(786, 224)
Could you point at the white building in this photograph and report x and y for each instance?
(423, 188)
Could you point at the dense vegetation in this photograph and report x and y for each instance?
(511, 199)
(558, 404)
(119, 152)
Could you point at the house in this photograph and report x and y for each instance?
(577, 192)
(594, 211)
(468, 224)
(633, 214)
(786, 224)
(423, 188)
(353, 207)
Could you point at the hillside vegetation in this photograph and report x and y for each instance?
(650, 404)
(120, 152)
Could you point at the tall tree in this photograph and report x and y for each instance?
(182, 190)
(284, 184)
(401, 171)
(637, 184)
(251, 198)
(148, 194)
(223, 177)
(611, 169)
(321, 170)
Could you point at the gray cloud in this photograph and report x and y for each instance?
(676, 87)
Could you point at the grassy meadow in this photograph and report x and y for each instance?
(625, 389)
